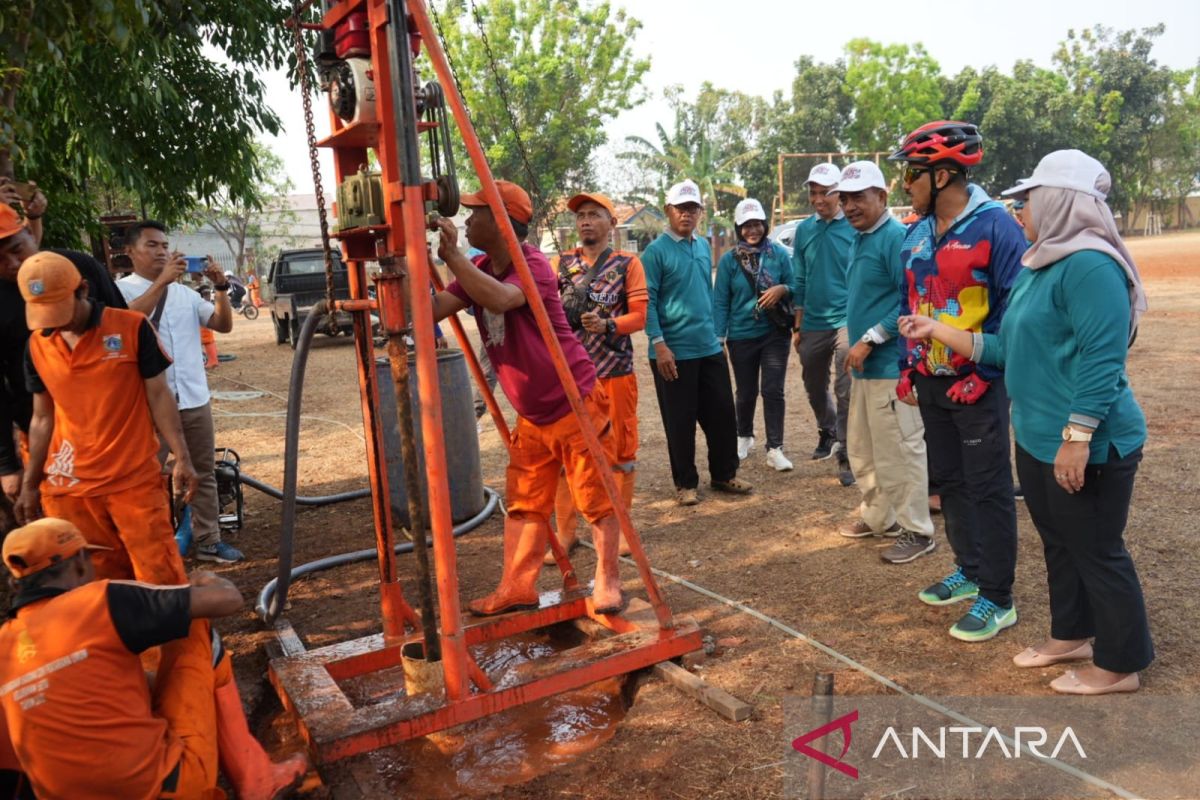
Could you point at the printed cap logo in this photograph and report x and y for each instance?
(852, 172)
(36, 287)
(688, 190)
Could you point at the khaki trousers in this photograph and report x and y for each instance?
(885, 440)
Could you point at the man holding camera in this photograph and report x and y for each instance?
(178, 313)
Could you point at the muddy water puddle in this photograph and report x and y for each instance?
(502, 749)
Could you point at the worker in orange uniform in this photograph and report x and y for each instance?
(254, 289)
(604, 296)
(99, 392)
(81, 716)
(547, 438)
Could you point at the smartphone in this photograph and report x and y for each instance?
(195, 263)
(25, 191)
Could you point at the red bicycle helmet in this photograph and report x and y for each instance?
(943, 140)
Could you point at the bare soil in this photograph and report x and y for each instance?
(775, 551)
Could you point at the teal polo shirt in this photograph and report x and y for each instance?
(679, 289)
(820, 255)
(874, 280)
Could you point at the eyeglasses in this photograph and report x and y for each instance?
(912, 173)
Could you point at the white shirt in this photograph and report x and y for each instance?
(179, 332)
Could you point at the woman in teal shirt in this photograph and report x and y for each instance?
(753, 317)
(1071, 315)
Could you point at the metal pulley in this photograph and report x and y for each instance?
(431, 103)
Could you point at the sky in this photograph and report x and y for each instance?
(752, 47)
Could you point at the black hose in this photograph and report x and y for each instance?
(291, 448)
(267, 596)
(320, 500)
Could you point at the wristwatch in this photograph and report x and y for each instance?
(610, 326)
(866, 339)
(1070, 434)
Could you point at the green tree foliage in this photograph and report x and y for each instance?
(161, 99)
(893, 89)
(567, 67)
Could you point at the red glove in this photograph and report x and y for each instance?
(968, 390)
(904, 386)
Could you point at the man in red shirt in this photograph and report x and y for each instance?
(547, 439)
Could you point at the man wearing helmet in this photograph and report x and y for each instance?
(960, 259)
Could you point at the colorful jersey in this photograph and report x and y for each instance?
(104, 439)
(518, 353)
(73, 693)
(962, 279)
(617, 292)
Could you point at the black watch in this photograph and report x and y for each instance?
(224, 287)
(610, 326)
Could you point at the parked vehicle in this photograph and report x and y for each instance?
(297, 283)
(785, 233)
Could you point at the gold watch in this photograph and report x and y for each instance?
(1070, 434)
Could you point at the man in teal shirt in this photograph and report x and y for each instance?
(819, 258)
(885, 437)
(691, 376)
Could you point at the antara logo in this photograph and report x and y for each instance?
(976, 741)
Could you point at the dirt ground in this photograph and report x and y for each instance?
(775, 551)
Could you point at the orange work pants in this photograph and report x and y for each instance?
(183, 697)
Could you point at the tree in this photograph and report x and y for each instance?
(160, 99)
(893, 88)
(1172, 150)
(244, 222)
(561, 69)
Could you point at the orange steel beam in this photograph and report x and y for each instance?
(442, 68)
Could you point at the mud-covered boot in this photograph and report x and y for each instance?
(524, 544)
(607, 597)
(625, 484)
(565, 519)
(247, 766)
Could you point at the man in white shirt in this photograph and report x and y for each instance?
(178, 313)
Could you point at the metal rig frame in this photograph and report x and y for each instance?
(308, 682)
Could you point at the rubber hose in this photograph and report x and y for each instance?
(320, 500)
(267, 595)
(291, 449)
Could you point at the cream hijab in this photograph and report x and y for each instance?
(1068, 221)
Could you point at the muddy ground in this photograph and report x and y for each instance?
(775, 551)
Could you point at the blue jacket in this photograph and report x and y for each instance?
(679, 289)
(962, 279)
(819, 258)
(735, 307)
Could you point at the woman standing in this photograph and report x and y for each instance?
(1071, 315)
(754, 319)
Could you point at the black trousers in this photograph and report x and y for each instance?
(702, 393)
(1094, 588)
(969, 462)
(763, 359)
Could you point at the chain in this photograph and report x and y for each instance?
(314, 160)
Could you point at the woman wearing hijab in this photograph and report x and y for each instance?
(753, 317)
(1072, 314)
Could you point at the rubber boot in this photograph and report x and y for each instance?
(607, 597)
(524, 544)
(625, 484)
(565, 519)
(247, 766)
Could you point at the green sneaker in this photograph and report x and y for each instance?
(983, 621)
(950, 589)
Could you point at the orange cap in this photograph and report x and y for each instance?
(48, 282)
(42, 544)
(10, 221)
(592, 197)
(516, 201)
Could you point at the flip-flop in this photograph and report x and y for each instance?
(617, 609)
(1029, 657)
(1069, 683)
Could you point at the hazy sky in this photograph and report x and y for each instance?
(752, 46)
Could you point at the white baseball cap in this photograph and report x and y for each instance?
(1066, 169)
(861, 175)
(747, 210)
(684, 192)
(825, 174)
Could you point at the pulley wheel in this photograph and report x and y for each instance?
(448, 196)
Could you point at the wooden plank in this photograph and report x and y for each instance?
(717, 699)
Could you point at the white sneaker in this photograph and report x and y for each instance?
(745, 445)
(778, 461)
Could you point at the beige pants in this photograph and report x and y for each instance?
(885, 440)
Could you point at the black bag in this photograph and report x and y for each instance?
(575, 298)
(782, 315)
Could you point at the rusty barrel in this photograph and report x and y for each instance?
(458, 429)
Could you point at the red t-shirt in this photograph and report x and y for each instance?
(518, 354)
